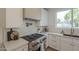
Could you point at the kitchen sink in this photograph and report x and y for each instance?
(71, 35)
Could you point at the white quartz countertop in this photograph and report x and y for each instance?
(55, 34)
(50, 33)
(10, 45)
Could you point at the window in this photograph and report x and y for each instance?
(75, 17)
(68, 18)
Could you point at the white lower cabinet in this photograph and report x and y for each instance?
(63, 43)
(66, 44)
(76, 44)
(76, 48)
(58, 43)
(53, 41)
(47, 41)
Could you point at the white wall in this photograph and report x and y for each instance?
(52, 21)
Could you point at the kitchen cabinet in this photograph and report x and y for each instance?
(76, 44)
(44, 17)
(13, 17)
(1, 17)
(58, 42)
(54, 41)
(33, 13)
(66, 44)
(47, 41)
(63, 43)
(76, 47)
(1, 25)
(70, 44)
(37, 14)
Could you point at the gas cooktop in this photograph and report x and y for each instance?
(32, 37)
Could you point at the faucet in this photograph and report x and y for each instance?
(72, 31)
(62, 32)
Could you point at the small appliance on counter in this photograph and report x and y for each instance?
(12, 35)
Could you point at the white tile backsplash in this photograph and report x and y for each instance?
(24, 30)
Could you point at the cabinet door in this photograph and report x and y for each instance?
(13, 17)
(44, 17)
(76, 47)
(66, 44)
(58, 42)
(47, 42)
(34, 13)
(26, 12)
(2, 17)
(76, 44)
(54, 41)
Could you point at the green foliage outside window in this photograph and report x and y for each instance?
(74, 15)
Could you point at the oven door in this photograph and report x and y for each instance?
(34, 46)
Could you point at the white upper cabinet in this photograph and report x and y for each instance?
(26, 12)
(13, 17)
(2, 14)
(44, 17)
(37, 14)
(33, 13)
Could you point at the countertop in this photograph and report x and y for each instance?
(11, 45)
(64, 35)
(49, 33)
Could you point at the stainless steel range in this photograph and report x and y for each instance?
(36, 42)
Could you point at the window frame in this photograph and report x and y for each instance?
(71, 21)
